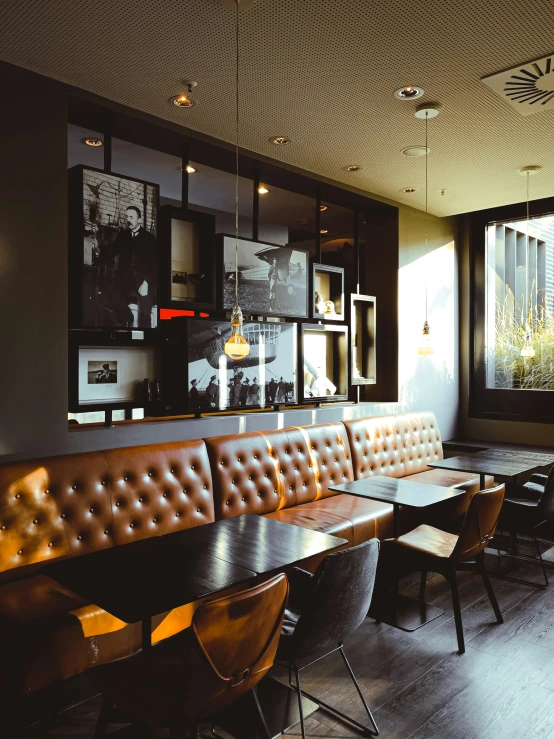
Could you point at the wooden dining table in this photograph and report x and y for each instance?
(504, 467)
(135, 582)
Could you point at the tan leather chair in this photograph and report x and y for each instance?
(429, 549)
(193, 675)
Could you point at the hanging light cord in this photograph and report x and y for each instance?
(237, 153)
(426, 213)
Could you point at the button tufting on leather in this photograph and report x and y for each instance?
(177, 514)
(243, 499)
(18, 496)
(199, 510)
(154, 520)
(132, 525)
(227, 502)
(35, 521)
(74, 487)
(79, 537)
(106, 532)
(63, 515)
(102, 483)
(117, 504)
(3, 527)
(150, 474)
(91, 510)
(49, 543)
(20, 551)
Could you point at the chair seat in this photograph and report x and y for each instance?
(427, 540)
(530, 491)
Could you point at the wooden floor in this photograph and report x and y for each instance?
(416, 684)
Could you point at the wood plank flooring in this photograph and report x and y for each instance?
(415, 683)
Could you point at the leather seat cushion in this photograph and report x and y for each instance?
(354, 519)
(425, 540)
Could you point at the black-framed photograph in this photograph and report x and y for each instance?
(272, 279)
(267, 376)
(113, 249)
(187, 242)
(324, 362)
(111, 374)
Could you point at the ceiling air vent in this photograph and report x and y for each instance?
(528, 88)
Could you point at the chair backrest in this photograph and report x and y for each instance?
(338, 601)
(239, 634)
(192, 675)
(479, 523)
(546, 503)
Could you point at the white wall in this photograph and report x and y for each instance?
(428, 382)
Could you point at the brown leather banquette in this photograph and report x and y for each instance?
(71, 505)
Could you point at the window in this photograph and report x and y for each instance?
(519, 313)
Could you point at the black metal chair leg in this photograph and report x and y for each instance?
(453, 580)
(299, 696)
(541, 561)
(353, 676)
(334, 712)
(103, 720)
(480, 560)
(262, 725)
(422, 584)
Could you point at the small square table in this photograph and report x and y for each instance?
(398, 492)
(491, 462)
(394, 609)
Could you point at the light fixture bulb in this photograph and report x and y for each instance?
(323, 231)
(280, 140)
(323, 208)
(191, 170)
(93, 142)
(425, 347)
(182, 101)
(262, 189)
(236, 346)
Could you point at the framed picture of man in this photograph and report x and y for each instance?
(272, 279)
(113, 250)
(267, 376)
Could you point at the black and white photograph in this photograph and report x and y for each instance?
(110, 374)
(120, 257)
(266, 376)
(272, 280)
(100, 372)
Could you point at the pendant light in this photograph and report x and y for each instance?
(527, 351)
(426, 111)
(236, 346)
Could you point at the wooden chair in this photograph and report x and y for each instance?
(429, 549)
(188, 678)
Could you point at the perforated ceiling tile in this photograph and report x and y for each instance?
(323, 72)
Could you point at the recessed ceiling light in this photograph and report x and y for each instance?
(352, 167)
(183, 99)
(189, 168)
(323, 208)
(415, 151)
(324, 231)
(280, 140)
(93, 142)
(409, 92)
(262, 189)
(409, 189)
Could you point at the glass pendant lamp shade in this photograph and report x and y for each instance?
(425, 346)
(236, 346)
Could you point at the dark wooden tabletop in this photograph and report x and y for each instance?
(487, 463)
(254, 542)
(398, 491)
(541, 459)
(136, 581)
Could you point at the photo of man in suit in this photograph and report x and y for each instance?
(136, 275)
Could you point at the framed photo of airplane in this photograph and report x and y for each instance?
(266, 377)
(273, 279)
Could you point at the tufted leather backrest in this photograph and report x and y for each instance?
(159, 488)
(265, 472)
(53, 507)
(395, 446)
(331, 453)
(249, 474)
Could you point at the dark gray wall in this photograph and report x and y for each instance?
(33, 294)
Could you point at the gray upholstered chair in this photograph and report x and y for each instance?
(325, 608)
